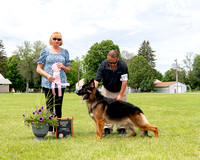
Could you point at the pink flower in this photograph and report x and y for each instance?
(39, 111)
(41, 119)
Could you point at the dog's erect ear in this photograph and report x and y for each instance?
(92, 80)
(92, 84)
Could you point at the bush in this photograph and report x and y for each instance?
(147, 85)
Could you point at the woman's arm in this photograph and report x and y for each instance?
(43, 73)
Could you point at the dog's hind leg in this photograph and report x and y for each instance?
(129, 126)
(140, 121)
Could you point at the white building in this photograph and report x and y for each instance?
(79, 84)
(170, 87)
(4, 84)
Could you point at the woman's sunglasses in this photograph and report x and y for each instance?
(58, 39)
(112, 62)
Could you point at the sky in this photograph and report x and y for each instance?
(171, 26)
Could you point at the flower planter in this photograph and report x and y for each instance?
(40, 118)
(40, 133)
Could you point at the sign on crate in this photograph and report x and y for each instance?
(65, 127)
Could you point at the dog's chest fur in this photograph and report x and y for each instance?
(91, 106)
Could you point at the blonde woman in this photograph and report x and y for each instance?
(48, 57)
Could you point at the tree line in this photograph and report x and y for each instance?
(20, 68)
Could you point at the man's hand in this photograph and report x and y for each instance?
(119, 97)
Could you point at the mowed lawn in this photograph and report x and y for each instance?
(177, 117)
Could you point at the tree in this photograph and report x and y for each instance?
(14, 75)
(188, 61)
(170, 75)
(75, 72)
(159, 75)
(190, 72)
(97, 53)
(139, 70)
(26, 62)
(196, 69)
(28, 55)
(3, 60)
(146, 51)
(38, 46)
(126, 56)
(147, 85)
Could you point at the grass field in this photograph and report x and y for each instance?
(177, 117)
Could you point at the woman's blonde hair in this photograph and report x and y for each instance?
(53, 36)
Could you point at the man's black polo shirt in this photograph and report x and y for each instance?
(112, 80)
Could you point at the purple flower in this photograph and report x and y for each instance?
(50, 117)
(42, 107)
(24, 115)
(33, 113)
(39, 111)
(24, 121)
(28, 125)
(41, 119)
(55, 111)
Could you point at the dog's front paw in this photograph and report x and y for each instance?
(98, 137)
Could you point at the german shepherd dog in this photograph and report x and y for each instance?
(103, 109)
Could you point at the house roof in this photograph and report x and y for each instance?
(1, 77)
(3, 80)
(163, 84)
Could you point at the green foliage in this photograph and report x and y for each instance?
(196, 70)
(37, 47)
(3, 60)
(159, 75)
(170, 75)
(75, 72)
(139, 69)
(146, 51)
(39, 118)
(147, 85)
(14, 75)
(29, 55)
(97, 53)
(192, 67)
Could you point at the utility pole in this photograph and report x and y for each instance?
(176, 75)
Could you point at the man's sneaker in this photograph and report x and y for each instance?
(122, 132)
(106, 132)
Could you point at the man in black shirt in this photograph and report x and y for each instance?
(115, 76)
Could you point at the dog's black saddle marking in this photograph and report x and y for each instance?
(120, 109)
